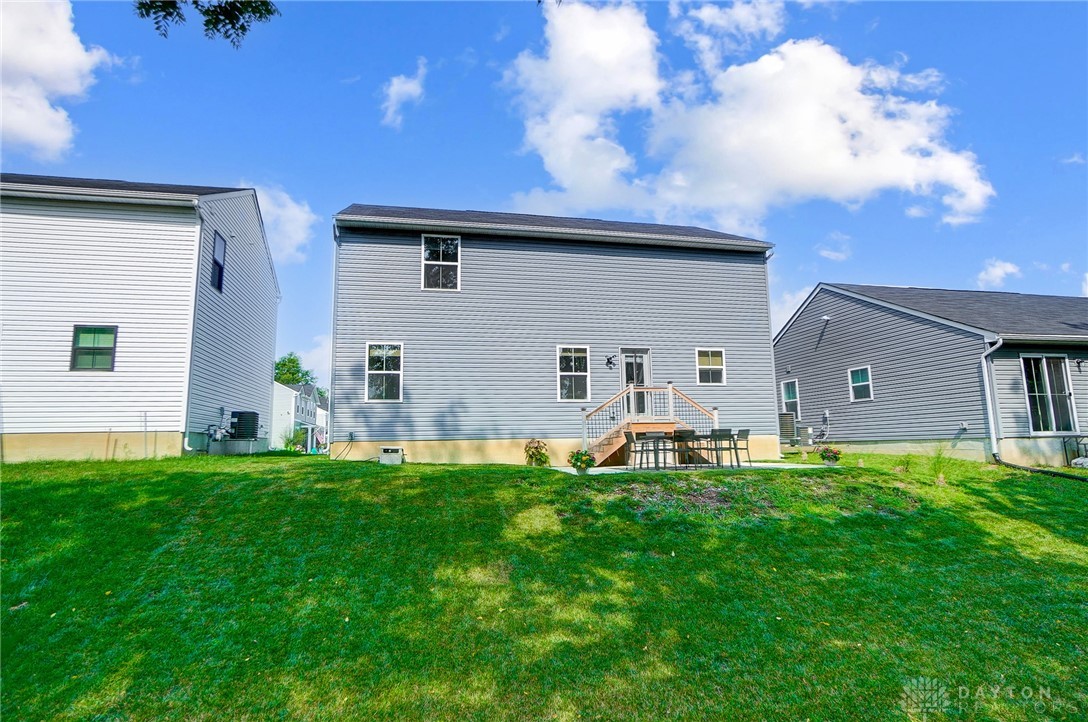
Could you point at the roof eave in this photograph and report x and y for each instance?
(22, 190)
(1045, 338)
(439, 226)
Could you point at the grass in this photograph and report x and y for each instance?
(298, 588)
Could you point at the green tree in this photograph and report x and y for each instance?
(289, 370)
(227, 19)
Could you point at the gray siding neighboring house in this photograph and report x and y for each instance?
(127, 267)
(480, 363)
(921, 352)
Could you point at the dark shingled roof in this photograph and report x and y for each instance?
(1006, 314)
(529, 222)
(112, 185)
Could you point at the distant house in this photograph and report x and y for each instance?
(460, 335)
(135, 316)
(897, 369)
(294, 407)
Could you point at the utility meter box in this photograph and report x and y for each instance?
(391, 455)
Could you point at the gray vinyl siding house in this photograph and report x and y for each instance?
(541, 320)
(174, 287)
(935, 367)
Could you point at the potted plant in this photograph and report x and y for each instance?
(829, 454)
(536, 453)
(581, 460)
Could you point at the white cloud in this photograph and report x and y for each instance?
(402, 89)
(599, 61)
(715, 31)
(1067, 267)
(44, 63)
(917, 212)
(1075, 159)
(832, 254)
(289, 224)
(784, 304)
(319, 359)
(995, 272)
(800, 123)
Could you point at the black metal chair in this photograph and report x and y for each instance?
(636, 449)
(660, 444)
(721, 442)
(683, 444)
(740, 443)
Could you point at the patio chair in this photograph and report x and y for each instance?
(683, 443)
(636, 449)
(721, 442)
(740, 443)
(661, 445)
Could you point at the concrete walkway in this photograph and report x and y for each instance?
(755, 465)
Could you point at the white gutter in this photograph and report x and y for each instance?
(991, 413)
(155, 199)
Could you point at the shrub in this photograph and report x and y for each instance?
(828, 453)
(536, 453)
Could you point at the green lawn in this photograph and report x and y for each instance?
(299, 588)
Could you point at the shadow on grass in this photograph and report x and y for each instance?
(315, 590)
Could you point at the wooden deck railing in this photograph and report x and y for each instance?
(636, 404)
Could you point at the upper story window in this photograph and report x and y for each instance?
(383, 372)
(572, 363)
(861, 385)
(1050, 398)
(441, 263)
(93, 348)
(710, 365)
(219, 260)
(791, 402)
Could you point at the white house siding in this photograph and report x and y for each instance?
(75, 263)
(1009, 386)
(926, 376)
(234, 333)
(283, 414)
(481, 363)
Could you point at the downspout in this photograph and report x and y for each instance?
(192, 328)
(991, 415)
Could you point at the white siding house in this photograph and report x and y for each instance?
(297, 406)
(134, 316)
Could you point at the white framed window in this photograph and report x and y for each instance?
(791, 402)
(384, 372)
(861, 383)
(1049, 393)
(709, 366)
(572, 373)
(441, 263)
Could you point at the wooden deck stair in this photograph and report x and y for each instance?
(662, 409)
(610, 443)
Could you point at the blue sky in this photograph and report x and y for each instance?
(931, 144)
